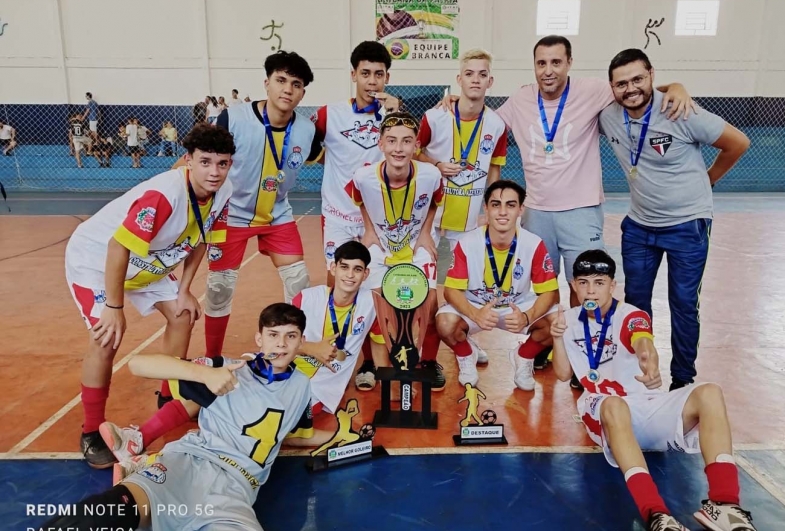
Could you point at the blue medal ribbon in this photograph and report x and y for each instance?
(268, 129)
(195, 208)
(465, 151)
(550, 134)
(635, 155)
(494, 270)
(340, 341)
(389, 191)
(596, 356)
(373, 107)
(261, 367)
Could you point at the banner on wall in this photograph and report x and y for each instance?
(418, 29)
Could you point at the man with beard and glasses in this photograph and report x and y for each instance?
(671, 203)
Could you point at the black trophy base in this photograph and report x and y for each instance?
(320, 463)
(406, 417)
(460, 441)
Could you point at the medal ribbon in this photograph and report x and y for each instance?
(634, 156)
(550, 134)
(268, 129)
(373, 107)
(595, 357)
(196, 211)
(465, 151)
(510, 253)
(389, 191)
(340, 341)
(261, 367)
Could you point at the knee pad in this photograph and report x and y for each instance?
(92, 512)
(220, 291)
(295, 279)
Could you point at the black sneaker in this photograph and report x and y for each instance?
(664, 522)
(439, 382)
(366, 376)
(541, 359)
(575, 383)
(95, 451)
(678, 384)
(163, 400)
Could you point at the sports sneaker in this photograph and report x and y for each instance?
(575, 383)
(541, 359)
(724, 517)
(120, 471)
(482, 356)
(664, 522)
(366, 376)
(438, 382)
(524, 371)
(124, 443)
(467, 366)
(95, 451)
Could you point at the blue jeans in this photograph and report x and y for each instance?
(687, 247)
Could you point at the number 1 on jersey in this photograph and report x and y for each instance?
(265, 431)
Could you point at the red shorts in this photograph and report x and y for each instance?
(279, 239)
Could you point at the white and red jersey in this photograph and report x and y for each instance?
(619, 365)
(530, 270)
(328, 387)
(350, 140)
(156, 222)
(463, 193)
(397, 223)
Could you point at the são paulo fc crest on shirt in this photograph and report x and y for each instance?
(365, 135)
(295, 158)
(661, 144)
(486, 146)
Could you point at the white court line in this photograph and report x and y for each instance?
(763, 478)
(63, 411)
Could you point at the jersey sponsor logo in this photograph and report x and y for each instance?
(463, 192)
(593, 402)
(661, 144)
(486, 146)
(422, 202)
(247, 475)
(214, 253)
(175, 253)
(638, 323)
(295, 158)
(156, 473)
(270, 184)
(468, 175)
(364, 135)
(517, 271)
(99, 296)
(399, 234)
(329, 250)
(359, 326)
(150, 268)
(146, 218)
(547, 264)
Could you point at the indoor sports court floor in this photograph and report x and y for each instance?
(548, 478)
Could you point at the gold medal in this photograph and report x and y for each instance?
(633, 172)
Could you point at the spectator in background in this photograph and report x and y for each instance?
(222, 104)
(247, 99)
(102, 148)
(132, 141)
(200, 112)
(7, 138)
(91, 114)
(78, 138)
(119, 143)
(142, 131)
(235, 99)
(212, 109)
(168, 136)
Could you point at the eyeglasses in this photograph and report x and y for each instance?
(599, 267)
(637, 82)
(392, 121)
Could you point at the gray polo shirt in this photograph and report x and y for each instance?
(672, 185)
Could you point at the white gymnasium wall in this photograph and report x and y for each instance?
(177, 51)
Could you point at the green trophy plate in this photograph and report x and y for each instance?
(405, 287)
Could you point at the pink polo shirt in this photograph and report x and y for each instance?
(571, 176)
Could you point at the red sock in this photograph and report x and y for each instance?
(367, 354)
(462, 349)
(94, 405)
(723, 482)
(214, 334)
(172, 415)
(530, 349)
(646, 495)
(430, 346)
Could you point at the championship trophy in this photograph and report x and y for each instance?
(400, 307)
(346, 445)
(478, 429)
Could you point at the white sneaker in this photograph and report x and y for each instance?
(724, 517)
(120, 471)
(467, 366)
(524, 371)
(124, 443)
(482, 356)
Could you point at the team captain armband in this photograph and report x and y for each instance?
(543, 274)
(144, 219)
(195, 391)
(636, 325)
(304, 428)
(458, 274)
